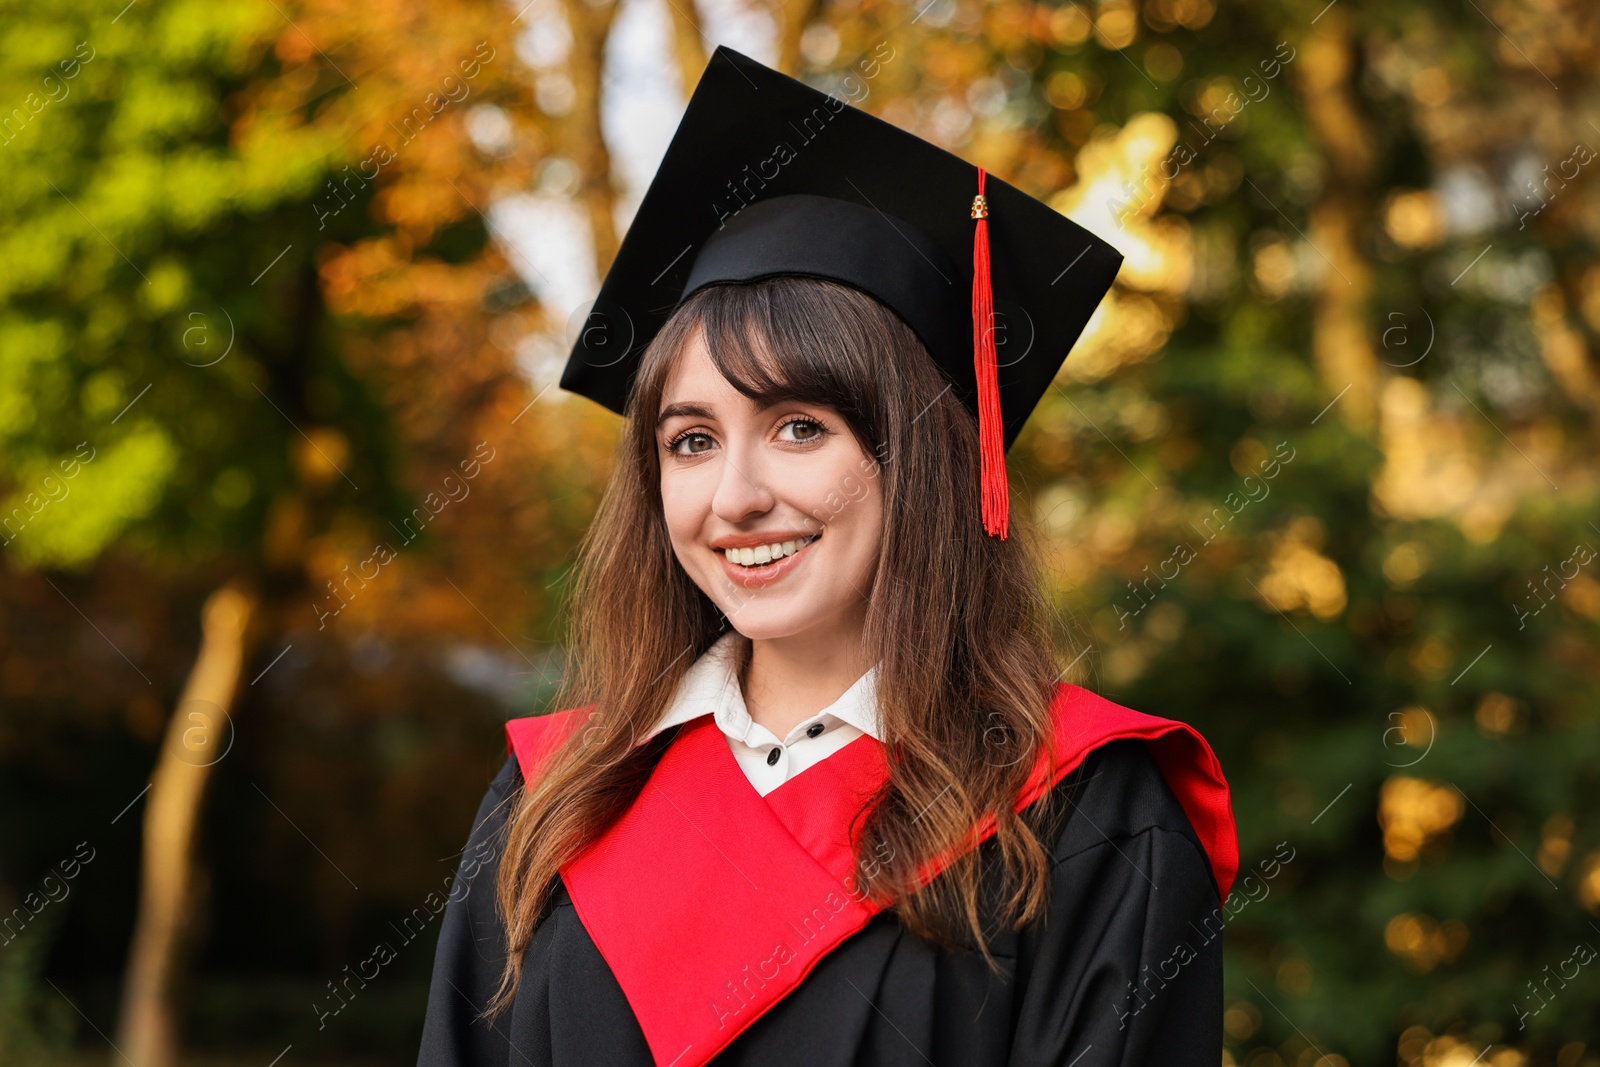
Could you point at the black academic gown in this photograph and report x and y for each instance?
(1126, 969)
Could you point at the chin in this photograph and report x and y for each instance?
(783, 617)
(766, 623)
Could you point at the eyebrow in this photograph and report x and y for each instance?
(699, 411)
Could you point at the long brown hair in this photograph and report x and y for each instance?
(957, 621)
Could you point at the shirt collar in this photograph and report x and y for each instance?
(711, 686)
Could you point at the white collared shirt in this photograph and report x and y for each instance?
(711, 686)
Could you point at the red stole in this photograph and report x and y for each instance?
(710, 902)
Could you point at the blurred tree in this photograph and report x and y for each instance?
(1319, 478)
(583, 138)
(1318, 464)
(1280, 448)
(249, 309)
(1318, 467)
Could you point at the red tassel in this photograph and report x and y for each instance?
(991, 442)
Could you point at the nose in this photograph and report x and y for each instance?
(742, 489)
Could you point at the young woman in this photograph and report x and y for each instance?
(816, 795)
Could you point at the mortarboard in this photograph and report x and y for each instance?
(767, 176)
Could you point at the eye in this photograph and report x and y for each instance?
(688, 435)
(809, 429)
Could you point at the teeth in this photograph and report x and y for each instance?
(760, 554)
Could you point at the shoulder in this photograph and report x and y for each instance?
(532, 739)
(494, 809)
(1140, 775)
(1117, 792)
(506, 780)
(1133, 905)
(1114, 824)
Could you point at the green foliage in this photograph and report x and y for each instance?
(138, 320)
(34, 1021)
(1419, 669)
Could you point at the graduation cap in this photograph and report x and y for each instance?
(768, 176)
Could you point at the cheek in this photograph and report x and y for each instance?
(681, 507)
(872, 533)
(863, 534)
(860, 519)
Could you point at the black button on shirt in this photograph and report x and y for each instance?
(772, 757)
(814, 729)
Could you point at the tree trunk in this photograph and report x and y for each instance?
(1341, 328)
(585, 135)
(198, 735)
(688, 44)
(1326, 71)
(793, 17)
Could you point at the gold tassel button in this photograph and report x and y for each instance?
(980, 207)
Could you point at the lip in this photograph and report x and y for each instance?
(762, 537)
(767, 573)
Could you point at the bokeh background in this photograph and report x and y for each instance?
(288, 494)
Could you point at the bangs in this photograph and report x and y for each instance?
(787, 338)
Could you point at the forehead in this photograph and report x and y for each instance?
(694, 376)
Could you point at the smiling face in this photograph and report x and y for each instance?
(776, 513)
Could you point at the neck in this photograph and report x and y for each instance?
(789, 679)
